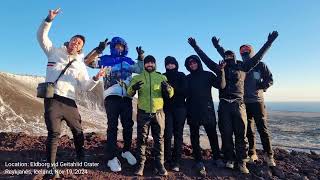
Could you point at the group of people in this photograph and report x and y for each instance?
(165, 102)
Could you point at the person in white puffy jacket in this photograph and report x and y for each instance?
(63, 106)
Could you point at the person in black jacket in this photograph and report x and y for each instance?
(257, 81)
(200, 108)
(232, 111)
(175, 111)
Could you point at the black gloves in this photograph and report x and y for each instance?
(48, 19)
(192, 42)
(102, 46)
(215, 41)
(165, 89)
(165, 85)
(140, 52)
(272, 36)
(137, 86)
(222, 64)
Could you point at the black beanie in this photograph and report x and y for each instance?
(149, 58)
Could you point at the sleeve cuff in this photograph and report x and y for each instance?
(95, 79)
(48, 19)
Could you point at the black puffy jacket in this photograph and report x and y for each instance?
(199, 98)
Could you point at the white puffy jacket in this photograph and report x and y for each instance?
(75, 76)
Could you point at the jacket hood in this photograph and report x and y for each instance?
(114, 42)
(230, 61)
(247, 56)
(229, 52)
(171, 60)
(194, 58)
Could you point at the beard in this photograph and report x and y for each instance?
(150, 68)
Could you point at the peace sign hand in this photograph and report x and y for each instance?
(53, 13)
(101, 73)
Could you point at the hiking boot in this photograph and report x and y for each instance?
(81, 155)
(243, 168)
(129, 157)
(253, 158)
(175, 167)
(139, 170)
(114, 165)
(270, 160)
(51, 174)
(161, 170)
(230, 164)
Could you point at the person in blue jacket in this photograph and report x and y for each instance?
(116, 100)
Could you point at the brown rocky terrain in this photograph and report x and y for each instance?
(23, 148)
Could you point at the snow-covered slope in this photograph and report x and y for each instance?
(22, 111)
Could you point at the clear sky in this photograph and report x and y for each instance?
(162, 28)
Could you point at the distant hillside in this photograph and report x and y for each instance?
(22, 111)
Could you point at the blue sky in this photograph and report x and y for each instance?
(162, 28)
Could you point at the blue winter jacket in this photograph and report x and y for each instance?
(120, 69)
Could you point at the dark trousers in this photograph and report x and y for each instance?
(157, 123)
(257, 114)
(209, 124)
(56, 110)
(118, 106)
(233, 121)
(174, 124)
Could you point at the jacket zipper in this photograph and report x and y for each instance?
(121, 81)
(150, 93)
(229, 79)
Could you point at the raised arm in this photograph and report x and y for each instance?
(207, 61)
(220, 49)
(91, 58)
(248, 65)
(43, 31)
(138, 66)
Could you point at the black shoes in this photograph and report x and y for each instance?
(139, 170)
(51, 173)
(161, 170)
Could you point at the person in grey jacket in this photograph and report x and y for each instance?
(257, 81)
(63, 106)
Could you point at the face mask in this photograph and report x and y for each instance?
(245, 56)
(230, 61)
(170, 70)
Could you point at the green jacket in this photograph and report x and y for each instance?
(149, 95)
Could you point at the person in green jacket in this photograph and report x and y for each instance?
(152, 88)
